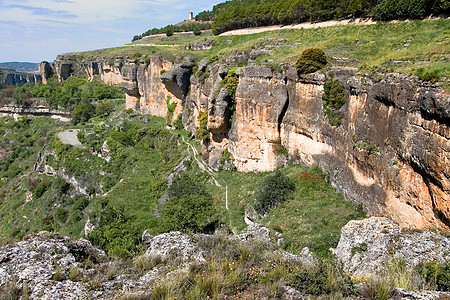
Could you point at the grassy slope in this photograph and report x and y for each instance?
(141, 181)
(387, 47)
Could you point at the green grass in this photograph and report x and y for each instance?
(387, 47)
(137, 178)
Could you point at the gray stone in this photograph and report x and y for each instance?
(198, 46)
(219, 113)
(63, 69)
(255, 71)
(175, 245)
(45, 70)
(366, 246)
(177, 80)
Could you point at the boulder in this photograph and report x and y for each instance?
(177, 80)
(218, 117)
(174, 245)
(45, 70)
(366, 246)
(63, 69)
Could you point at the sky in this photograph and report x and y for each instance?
(37, 30)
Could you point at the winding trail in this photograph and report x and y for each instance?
(203, 166)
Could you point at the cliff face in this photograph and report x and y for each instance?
(10, 77)
(391, 152)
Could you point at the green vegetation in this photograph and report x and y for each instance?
(311, 60)
(202, 131)
(195, 27)
(189, 208)
(73, 91)
(238, 14)
(333, 99)
(403, 47)
(170, 107)
(272, 192)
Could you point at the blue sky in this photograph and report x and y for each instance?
(36, 30)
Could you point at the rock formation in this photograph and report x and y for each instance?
(10, 77)
(390, 153)
(367, 246)
(45, 70)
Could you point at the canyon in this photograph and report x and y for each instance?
(390, 153)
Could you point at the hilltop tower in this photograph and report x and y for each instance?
(191, 16)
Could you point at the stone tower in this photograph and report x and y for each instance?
(191, 16)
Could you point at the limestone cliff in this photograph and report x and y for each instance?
(390, 153)
(10, 77)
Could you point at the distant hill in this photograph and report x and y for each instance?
(26, 67)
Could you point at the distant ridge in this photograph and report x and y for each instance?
(26, 67)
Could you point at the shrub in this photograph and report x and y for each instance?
(436, 275)
(197, 31)
(104, 109)
(376, 288)
(333, 99)
(170, 107)
(40, 189)
(189, 208)
(82, 113)
(311, 60)
(334, 95)
(61, 215)
(274, 189)
(325, 277)
(169, 31)
(202, 131)
(432, 76)
(178, 123)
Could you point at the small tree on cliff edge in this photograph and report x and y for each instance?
(311, 60)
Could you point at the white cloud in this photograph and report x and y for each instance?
(39, 29)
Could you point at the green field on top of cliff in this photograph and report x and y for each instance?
(410, 47)
(48, 185)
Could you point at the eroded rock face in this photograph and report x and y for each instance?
(391, 153)
(45, 70)
(42, 262)
(174, 245)
(63, 69)
(261, 102)
(367, 246)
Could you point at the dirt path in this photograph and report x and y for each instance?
(203, 166)
(152, 45)
(70, 137)
(298, 26)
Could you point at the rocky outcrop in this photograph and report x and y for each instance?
(34, 111)
(177, 80)
(45, 70)
(367, 246)
(10, 77)
(174, 245)
(40, 266)
(62, 69)
(390, 153)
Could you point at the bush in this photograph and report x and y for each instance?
(202, 131)
(274, 189)
(82, 113)
(189, 208)
(197, 31)
(104, 109)
(325, 277)
(178, 123)
(169, 31)
(333, 99)
(432, 76)
(311, 60)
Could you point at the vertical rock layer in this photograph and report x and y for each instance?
(391, 153)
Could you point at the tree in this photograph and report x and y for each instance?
(311, 60)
